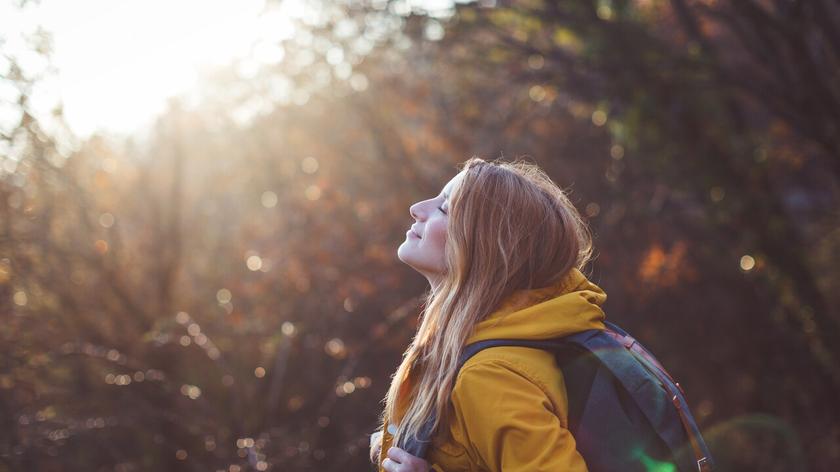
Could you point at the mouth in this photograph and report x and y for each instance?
(411, 233)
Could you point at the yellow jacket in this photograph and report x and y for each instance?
(510, 405)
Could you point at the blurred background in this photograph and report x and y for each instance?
(201, 202)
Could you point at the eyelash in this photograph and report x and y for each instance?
(441, 210)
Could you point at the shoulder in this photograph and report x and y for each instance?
(495, 372)
(510, 412)
(537, 365)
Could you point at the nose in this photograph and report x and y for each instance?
(413, 210)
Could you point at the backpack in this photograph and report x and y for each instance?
(626, 412)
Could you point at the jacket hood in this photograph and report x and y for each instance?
(571, 305)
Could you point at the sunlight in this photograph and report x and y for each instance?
(118, 62)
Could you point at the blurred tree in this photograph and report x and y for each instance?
(225, 295)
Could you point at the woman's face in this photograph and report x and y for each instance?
(424, 245)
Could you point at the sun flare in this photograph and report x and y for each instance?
(119, 61)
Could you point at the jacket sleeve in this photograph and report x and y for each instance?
(510, 422)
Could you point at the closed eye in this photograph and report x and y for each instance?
(442, 210)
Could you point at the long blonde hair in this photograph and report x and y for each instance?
(510, 227)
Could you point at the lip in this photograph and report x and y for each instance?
(411, 232)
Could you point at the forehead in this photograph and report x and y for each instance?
(453, 182)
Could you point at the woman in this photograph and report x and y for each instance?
(502, 248)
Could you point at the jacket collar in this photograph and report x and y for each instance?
(571, 305)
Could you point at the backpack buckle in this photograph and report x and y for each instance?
(703, 465)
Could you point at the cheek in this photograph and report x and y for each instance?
(437, 234)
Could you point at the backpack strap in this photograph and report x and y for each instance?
(675, 391)
(418, 446)
(580, 409)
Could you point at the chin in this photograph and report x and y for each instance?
(404, 254)
(408, 260)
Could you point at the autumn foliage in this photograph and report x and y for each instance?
(224, 294)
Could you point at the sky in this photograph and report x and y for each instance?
(119, 60)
